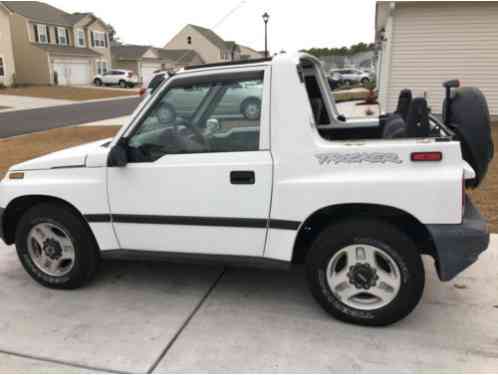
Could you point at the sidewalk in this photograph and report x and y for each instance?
(18, 103)
(157, 317)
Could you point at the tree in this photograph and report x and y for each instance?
(343, 51)
(113, 38)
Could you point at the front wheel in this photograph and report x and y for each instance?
(123, 84)
(365, 272)
(97, 82)
(55, 247)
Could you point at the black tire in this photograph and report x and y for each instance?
(383, 236)
(97, 82)
(123, 84)
(131, 85)
(86, 250)
(251, 115)
(364, 81)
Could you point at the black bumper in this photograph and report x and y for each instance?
(458, 246)
(1, 222)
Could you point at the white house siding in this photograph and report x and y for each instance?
(433, 41)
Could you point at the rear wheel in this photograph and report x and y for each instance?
(365, 272)
(56, 247)
(364, 81)
(97, 82)
(251, 109)
(123, 84)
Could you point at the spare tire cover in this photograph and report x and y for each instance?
(469, 118)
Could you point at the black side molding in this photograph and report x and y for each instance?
(194, 221)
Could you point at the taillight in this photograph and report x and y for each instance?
(130, 75)
(427, 156)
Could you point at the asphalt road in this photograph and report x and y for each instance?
(34, 120)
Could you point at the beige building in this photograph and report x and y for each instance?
(426, 43)
(209, 45)
(145, 60)
(40, 44)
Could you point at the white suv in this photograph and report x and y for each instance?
(350, 76)
(123, 78)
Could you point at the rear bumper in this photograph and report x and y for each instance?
(1, 222)
(459, 246)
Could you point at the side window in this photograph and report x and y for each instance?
(2, 70)
(222, 115)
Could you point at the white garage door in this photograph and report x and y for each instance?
(73, 73)
(148, 71)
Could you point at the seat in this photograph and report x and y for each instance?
(417, 122)
(394, 124)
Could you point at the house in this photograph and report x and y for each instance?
(247, 53)
(423, 44)
(42, 45)
(209, 45)
(145, 60)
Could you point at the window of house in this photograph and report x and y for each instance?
(42, 32)
(2, 69)
(80, 38)
(222, 115)
(99, 39)
(62, 36)
(102, 67)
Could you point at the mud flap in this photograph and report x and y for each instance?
(459, 246)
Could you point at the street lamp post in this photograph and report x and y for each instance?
(266, 17)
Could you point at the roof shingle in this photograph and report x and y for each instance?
(42, 12)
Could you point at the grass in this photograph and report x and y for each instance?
(65, 92)
(19, 149)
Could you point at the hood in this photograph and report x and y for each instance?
(69, 158)
(469, 118)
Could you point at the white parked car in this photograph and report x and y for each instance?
(120, 77)
(350, 76)
(297, 184)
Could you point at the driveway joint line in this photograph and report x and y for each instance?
(59, 362)
(186, 323)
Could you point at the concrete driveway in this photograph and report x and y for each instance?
(162, 317)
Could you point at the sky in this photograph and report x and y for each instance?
(293, 25)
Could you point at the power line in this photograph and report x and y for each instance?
(220, 22)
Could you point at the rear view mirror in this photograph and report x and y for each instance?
(118, 156)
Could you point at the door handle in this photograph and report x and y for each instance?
(242, 178)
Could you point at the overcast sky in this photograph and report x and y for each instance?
(293, 24)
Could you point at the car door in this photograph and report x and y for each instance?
(197, 181)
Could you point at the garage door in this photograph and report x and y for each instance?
(73, 73)
(148, 71)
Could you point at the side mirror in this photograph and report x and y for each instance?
(118, 156)
(213, 125)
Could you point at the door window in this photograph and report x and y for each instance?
(2, 69)
(221, 115)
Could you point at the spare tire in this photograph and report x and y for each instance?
(469, 118)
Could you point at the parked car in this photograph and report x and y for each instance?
(298, 184)
(123, 78)
(350, 76)
(154, 82)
